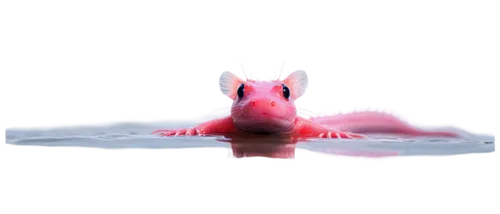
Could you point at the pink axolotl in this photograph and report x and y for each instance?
(267, 107)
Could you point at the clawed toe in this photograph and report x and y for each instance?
(164, 132)
(178, 132)
(341, 135)
(354, 135)
(159, 131)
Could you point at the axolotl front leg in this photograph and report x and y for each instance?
(308, 128)
(212, 127)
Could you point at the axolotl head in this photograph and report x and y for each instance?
(264, 106)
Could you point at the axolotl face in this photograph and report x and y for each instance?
(263, 107)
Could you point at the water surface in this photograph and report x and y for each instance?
(135, 135)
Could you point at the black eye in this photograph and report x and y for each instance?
(286, 91)
(240, 90)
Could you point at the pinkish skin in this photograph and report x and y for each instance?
(267, 107)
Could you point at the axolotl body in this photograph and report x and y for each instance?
(270, 106)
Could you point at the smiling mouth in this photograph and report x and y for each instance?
(264, 116)
(270, 115)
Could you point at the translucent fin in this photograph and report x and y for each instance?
(229, 84)
(297, 82)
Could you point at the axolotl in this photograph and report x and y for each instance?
(268, 107)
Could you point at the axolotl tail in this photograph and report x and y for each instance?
(370, 122)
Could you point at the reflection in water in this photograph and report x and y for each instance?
(284, 147)
(339, 150)
(262, 146)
